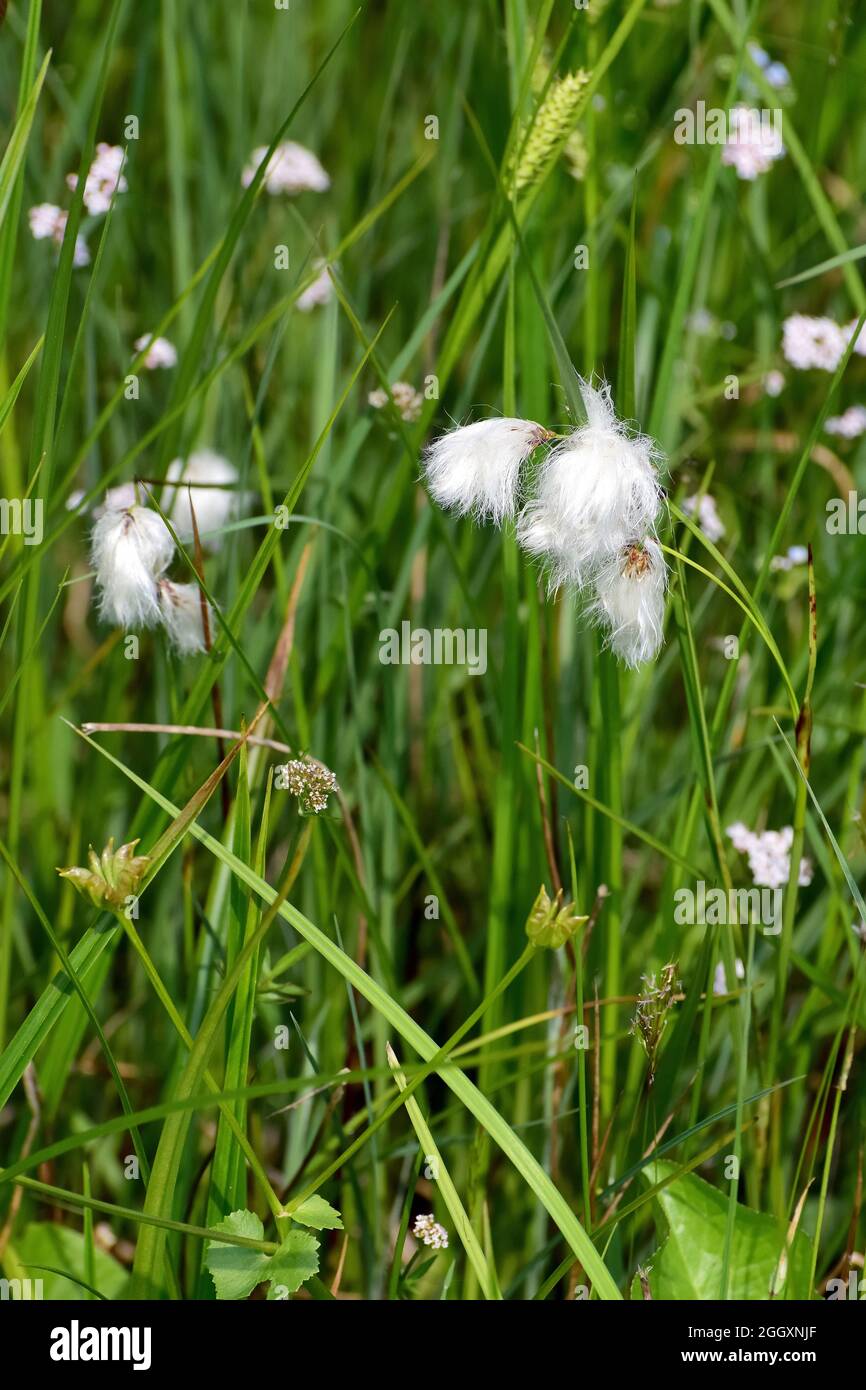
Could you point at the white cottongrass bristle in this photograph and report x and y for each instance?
(180, 609)
(214, 505)
(597, 489)
(291, 169)
(131, 548)
(475, 469)
(629, 601)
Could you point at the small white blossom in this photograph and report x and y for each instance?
(103, 178)
(311, 782)
(769, 854)
(812, 342)
(849, 425)
(159, 352)
(630, 601)
(180, 610)
(720, 979)
(319, 291)
(407, 400)
(752, 145)
(708, 517)
(214, 506)
(476, 468)
(428, 1230)
(795, 555)
(131, 549)
(860, 345)
(774, 383)
(47, 220)
(597, 490)
(291, 169)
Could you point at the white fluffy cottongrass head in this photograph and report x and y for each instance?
(475, 469)
(291, 169)
(214, 505)
(103, 178)
(158, 352)
(597, 489)
(629, 601)
(131, 548)
(48, 220)
(180, 610)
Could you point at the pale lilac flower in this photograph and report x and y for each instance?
(752, 145)
(849, 425)
(707, 515)
(428, 1230)
(214, 506)
(774, 383)
(291, 169)
(160, 352)
(476, 468)
(130, 549)
(47, 220)
(597, 490)
(319, 291)
(103, 179)
(769, 855)
(180, 611)
(812, 342)
(630, 601)
(407, 400)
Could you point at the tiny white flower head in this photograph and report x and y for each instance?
(320, 291)
(103, 178)
(180, 610)
(476, 468)
(158, 352)
(291, 169)
(130, 548)
(596, 491)
(406, 399)
(630, 601)
(849, 425)
(428, 1230)
(753, 144)
(774, 383)
(707, 514)
(813, 342)
(47, 220)
(214, 505)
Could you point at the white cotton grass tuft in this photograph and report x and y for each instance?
(597, 489)
(475, 469)
(214, 505)
(180, 610)
(629, 601)
(131, 548)
(291, 169)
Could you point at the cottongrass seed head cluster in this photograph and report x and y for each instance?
(589, 515)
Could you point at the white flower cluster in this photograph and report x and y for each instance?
(769, 853)
(428, 1230)
(319, 291)
(104, 177)
(132, 549)
(850, 425)
(753, 144)
(291, 169)
(589, 517)
(809, 341)
(158, 352)
(707, 515)
(794, 555)
(406, 399)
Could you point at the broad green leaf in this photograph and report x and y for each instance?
(55, 1248)
(318, 1214)
(237, 1271)
(688, 1263)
